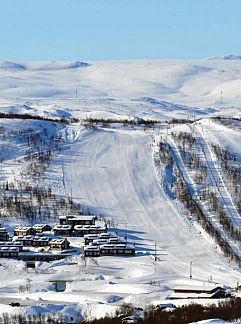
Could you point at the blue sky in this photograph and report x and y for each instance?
(118, 29)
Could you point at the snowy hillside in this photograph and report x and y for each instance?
(126, 172)
(147, 88)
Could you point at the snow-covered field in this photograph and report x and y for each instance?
(111, 172)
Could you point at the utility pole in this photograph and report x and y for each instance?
(191, 270)
(155, 252)
(126, 233)
(221, 98)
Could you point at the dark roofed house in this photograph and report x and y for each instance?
(23, 231)
(3, 234)
(40, 228)
(59, 244)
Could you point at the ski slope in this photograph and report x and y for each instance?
(111, 172)
(217, 180)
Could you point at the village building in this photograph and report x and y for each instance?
(91, 251)
(41, 241)
(100, 241)
(77, 220)
(41, 256)
(9, 252)
(10, 244)
(197, 292)
(59, 244)
(116, 240)
(40, 228)
(118, 249)
(25, 240)
(63, 230)
(81, 230)
(3, 234)
(109, 249)
(107, 235)
(89, 238)
(23, 231)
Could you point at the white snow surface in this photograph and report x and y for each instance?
(111, 172)
(155, 88)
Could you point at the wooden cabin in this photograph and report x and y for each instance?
(63, 230)
(59, 244)
(100, 241)
(40, 241)
(25, 240)
(3, 234)
(77, 220)
(9, 252)
(40, 228)
(91, 251)
(89, 238)
(10, 244)
(109, 249)
(81, 230)
(24, 231)
(197, 292)
(118, 249)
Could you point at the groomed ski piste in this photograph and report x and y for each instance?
(112, 172)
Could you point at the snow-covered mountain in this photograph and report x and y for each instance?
(126, 85)
(115, 171)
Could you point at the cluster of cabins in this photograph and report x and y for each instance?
(26, 236)
(106, 244)
(97, 240)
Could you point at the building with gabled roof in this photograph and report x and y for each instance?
(23, 231)
(63, 230)
(59, 244)
(197, 292)
(40, 228)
